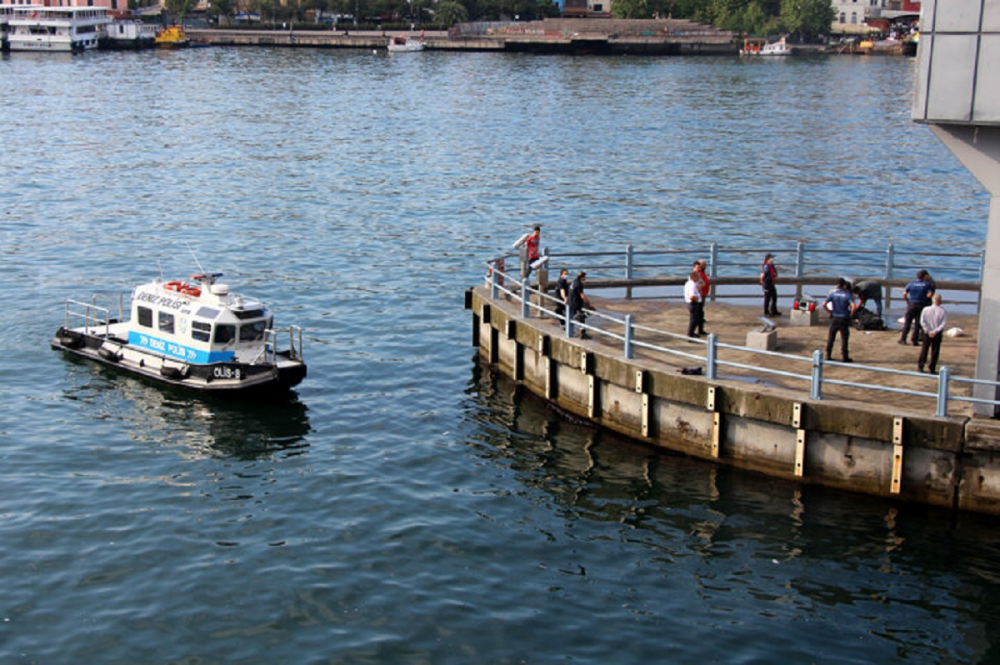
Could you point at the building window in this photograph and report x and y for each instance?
(854, 18)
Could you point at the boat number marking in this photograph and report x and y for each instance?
(226, 373)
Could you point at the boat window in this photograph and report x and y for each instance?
(207, 313)
(224, 334)
(252, 332)
(166, 323)
(201, 331)
(145, 316)
(243, 315)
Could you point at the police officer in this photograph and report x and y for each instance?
(840, 304)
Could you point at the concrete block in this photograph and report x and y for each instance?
(803, 317)
(762, 340)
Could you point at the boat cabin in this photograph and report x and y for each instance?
(198, 323)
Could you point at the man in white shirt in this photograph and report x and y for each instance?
(933, 319)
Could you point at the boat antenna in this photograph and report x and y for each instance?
(200, 269)
(159, 267)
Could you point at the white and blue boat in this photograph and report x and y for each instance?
(195, 335)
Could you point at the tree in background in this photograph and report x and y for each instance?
(222, 10)
(807, 18)
(177, 9)
(450, 12)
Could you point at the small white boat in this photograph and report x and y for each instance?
(67, 29)
(197, 335)
(129, 34)
(764, 48)
(403, 44)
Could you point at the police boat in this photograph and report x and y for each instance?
(195, 335)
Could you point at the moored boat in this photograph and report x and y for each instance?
(129, 34)
(172, 36)
(404, 44)
(762, 47)
(67, 29)
(6, 11)
(194, 335)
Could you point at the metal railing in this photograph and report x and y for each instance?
(512, 285)
(294, 342)
(94, 317)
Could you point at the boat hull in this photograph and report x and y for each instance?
(215, 378)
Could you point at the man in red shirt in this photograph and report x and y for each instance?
(704, 284)
(530, 251)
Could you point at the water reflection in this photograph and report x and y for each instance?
(204, 425)
(909, 581)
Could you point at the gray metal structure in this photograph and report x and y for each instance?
(958, 97)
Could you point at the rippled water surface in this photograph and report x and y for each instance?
(407, 505)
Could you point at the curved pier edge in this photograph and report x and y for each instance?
(951, 462)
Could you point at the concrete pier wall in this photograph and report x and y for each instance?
(953, 462)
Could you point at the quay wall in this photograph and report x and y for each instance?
(587, 43)
(952, 462)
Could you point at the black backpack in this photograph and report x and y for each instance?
(865, 319)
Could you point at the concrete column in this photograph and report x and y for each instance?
(978, 148)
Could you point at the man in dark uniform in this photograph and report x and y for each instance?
(840, 304)
(562, 293)
(918, 295)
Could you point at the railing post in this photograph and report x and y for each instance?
(816, 389)
(710, 356)
(628, 336)
(494, 288)
(629, 267)
(890, 261)
(524, 299)
(800, 260)
(713, 260)
(944, 374)
(569, 321)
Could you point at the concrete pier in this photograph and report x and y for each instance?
(890, 446)
(575, 36)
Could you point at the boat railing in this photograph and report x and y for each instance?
(627, 332)
(273, 335)
(94, 317)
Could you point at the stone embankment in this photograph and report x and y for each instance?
(600, 36)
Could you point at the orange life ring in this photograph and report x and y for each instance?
(192, 291)
(173, 286)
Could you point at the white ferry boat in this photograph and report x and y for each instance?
(197, 335)
(70, 29)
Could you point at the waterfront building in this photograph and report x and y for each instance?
(859, 17)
